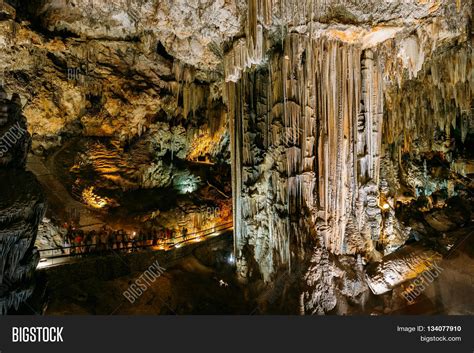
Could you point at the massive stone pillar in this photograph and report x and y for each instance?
(21, 208)
(307, 131)
(320, 116)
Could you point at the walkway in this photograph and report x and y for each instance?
(65, 255)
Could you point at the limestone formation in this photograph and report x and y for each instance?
(324, 119)
(21, 209)
(337, 114)
(399, 267)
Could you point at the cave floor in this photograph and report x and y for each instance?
(197, 285)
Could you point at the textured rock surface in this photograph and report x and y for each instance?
(399, 267)
(337, 112)
(50, 235)
(333, 284)
(14, 137)
(97, 68)
(21, 209)
(327, 116)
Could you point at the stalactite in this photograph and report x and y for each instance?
(313, 88)
(440, 96)
(320, 135)
(321, 117)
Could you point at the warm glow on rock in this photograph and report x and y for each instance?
(93, 200)
(204, 145)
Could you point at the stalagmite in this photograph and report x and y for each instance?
(21, 208)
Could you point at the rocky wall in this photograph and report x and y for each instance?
(21, 208)
(321, 114)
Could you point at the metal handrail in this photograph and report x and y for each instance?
(218, 228)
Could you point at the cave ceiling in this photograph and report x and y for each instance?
(112, 67)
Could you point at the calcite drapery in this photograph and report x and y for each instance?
(407, 263)
(324, 98)
(305, 145)
(315, 112)
(437, 101)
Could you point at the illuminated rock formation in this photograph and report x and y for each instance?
(118, 69)
(337, 111)
(321, 116)
(400, 267)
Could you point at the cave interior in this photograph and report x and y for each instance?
(275, 156)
